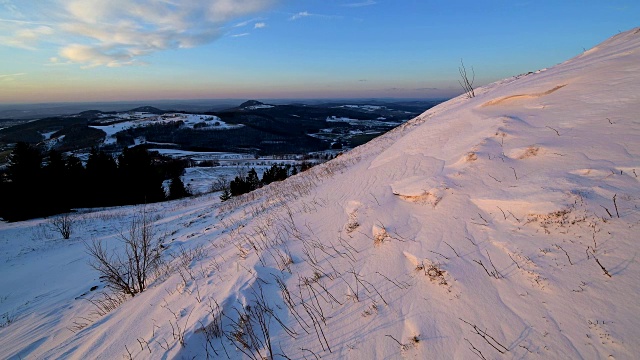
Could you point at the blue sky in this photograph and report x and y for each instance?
(97, 50)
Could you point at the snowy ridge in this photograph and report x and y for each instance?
(499, 227)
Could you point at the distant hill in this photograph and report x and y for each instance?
(148, 109)
(250, 103)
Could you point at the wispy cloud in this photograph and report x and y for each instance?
(23, 35)
(6, 78)
(300, 15)
(119, 32)
(94, 56)
(248, 22)
(306, 14)
(11, 75)
(361, 4)
(56, 61)
(21, 22)
(257, 24)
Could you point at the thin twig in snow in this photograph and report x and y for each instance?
(554, 130)
(514, 172)
(565, 252)
(454, 250)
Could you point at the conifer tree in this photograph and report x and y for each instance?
(74, 182)
(253, 182)
(23, 193)
(238, 186)
(102, 179)
(25, 164)
(177, 189)
(140, 182)
(226, 194)
(56, 197)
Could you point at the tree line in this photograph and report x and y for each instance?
(40, 184)
(244, 184)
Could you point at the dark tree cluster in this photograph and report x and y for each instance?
(242, 185)
(275, 173)
(39, 184)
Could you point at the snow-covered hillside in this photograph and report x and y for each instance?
(503, 226)
(138, 120)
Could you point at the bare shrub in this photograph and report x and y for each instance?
(128, 273)
(219, 184)
(436, 274)
(63, 224)
(465, 82)
(433, 272)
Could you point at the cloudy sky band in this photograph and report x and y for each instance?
(323, 48)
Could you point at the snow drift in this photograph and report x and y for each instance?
(501, 226)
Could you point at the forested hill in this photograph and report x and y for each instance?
(260, 128)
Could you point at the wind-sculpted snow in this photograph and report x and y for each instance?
(523, 96)
(499, 232)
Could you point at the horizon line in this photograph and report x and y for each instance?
(225, 99)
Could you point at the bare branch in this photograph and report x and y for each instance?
(465, 82)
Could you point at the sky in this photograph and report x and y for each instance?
(97, 50)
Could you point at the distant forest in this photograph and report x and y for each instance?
(38, 184)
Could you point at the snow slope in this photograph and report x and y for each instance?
(503, 226)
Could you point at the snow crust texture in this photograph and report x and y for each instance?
(499, 227)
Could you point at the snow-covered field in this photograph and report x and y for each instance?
(503, 226)
(363, 107)
(257, 107)
(128, 121)
(205, 155)
(200, 179)
(229, 165)
(379, 122)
